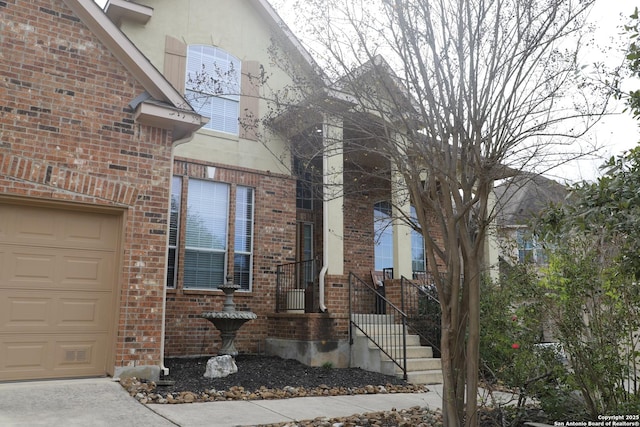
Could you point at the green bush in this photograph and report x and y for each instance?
(512, 315)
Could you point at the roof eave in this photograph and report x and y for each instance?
(182, 123)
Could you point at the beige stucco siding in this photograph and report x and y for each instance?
(236, 27)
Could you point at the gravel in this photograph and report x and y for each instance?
(266, 377)
(270, 372)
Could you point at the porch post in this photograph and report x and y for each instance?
(333, 195)
(492, 244)
(401, 231)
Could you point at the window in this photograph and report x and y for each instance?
(529, 250)
(206, 234)
(213, 86)
(418, 263)
(304, 188)
(383, 235)
(207, 224)
(242, 258)
(174, 224)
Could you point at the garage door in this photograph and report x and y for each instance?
(57, 291)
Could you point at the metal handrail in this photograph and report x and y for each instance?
(364, 300)
(422, 306)
(292, 277)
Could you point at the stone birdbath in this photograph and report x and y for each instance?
(228, 321)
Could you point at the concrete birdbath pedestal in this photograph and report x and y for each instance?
(228, 321)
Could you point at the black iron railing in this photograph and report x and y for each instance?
(296, 287)
(422, 307)
(387, 331)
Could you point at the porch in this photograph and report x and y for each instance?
(395, 332)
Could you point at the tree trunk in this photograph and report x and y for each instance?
(473, 346)
(450, 410)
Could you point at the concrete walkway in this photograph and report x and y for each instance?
(103, 402)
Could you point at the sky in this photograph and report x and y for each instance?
(618, 132)
(615, 133)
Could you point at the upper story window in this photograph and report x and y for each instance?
(213, 86)
(529, 249)
(304, 185)
(383, 235)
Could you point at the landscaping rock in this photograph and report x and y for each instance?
(220, 367)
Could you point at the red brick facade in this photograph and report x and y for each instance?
(274, 243)
(67, 134)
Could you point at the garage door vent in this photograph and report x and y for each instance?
(75, 356)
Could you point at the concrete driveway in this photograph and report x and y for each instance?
(73, 403)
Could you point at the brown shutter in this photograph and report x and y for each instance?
(175, 62)
(250, 99)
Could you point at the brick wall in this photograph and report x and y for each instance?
(308, 327)
(274, 243)
(66, 134)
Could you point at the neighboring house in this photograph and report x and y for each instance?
(520, 200)
(87, 127)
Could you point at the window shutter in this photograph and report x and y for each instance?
(175, 62)
(250, 100)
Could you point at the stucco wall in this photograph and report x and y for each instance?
(236, 27)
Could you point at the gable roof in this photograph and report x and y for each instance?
(522, 197)
(170, 109)
(267, 11)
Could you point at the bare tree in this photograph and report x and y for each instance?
(444, 97)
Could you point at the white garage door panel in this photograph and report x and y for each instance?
(58, 280)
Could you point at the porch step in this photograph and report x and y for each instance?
(371, 319)
(394, 338)
(425, 377)
(416, 364)
(379, 328)
(422, 368)
(413, 351)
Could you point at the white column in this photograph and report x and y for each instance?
(401, 230)
(491, 241)
(333, 195)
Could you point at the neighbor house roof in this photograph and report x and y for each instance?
(522, 197)
(165, 107)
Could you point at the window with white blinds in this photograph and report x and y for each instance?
(206, 234)
(213, 86)
(206, 225)
(243, 243)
